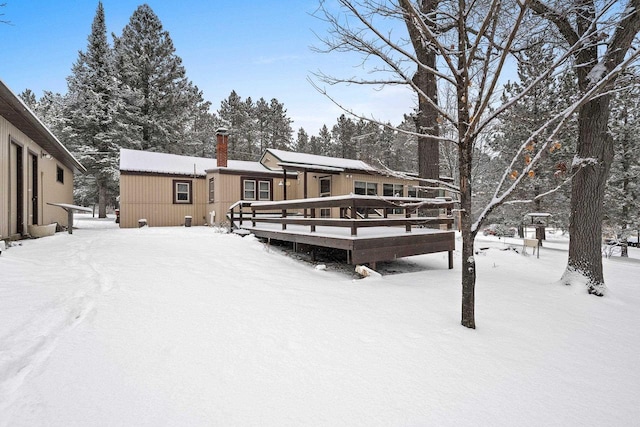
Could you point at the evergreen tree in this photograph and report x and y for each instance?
(262, 116)
(302, 142)
(200, 131)
(537, 107)
(280, 126)
(234, 114)
(157, 93)
(90, 112)
(49, 109)
(324, 146)
(622, 209)
(29, 98)
(314, 145)
(343, 133)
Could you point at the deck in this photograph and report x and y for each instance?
(369, 229)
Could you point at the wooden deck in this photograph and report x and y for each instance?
(367, 229)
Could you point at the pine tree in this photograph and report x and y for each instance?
(622, 209)
(343, 133)
(29, 98)
(325, 142)
(90, 112)
(537, 107)
(200, 130)
(262, 116)
(280, 126)
(302, 141)
(234, 114)
(157, 92)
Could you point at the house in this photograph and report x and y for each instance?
(164, 189)
(36, 169)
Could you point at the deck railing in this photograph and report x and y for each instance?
(356, 211)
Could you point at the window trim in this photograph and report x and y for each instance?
(212, 190)
(394, 187)
(367, 185)
(320, 181)
(59, 174)
(256, 188)
(189, 184)
(260, 190)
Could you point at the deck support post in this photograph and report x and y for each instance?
(450, 260)
(313, 215)
(284, 215)
(69, 219)
(407, 214)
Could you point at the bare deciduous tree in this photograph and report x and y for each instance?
(473, 43)
(605, 35)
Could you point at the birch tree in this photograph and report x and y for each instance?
(473, 42)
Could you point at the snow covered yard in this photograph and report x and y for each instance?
(187, 326)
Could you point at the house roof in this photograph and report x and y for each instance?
(148, 161)
(16, 111)
(310, 161)
(174, 164)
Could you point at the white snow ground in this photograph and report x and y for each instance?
(190, 327)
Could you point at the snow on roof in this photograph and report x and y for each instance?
(246, 166)
(148, 161)
(302, 159)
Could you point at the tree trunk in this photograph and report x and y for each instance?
(102, 200)
(427, 115)
(426, 124)
(591, 169)
(468, 237)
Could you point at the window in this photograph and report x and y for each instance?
(181, 192)
(59, 174)
(249, 192)
(325, 187)
(264, 190)
(412, 191)
(253, 189)
(392, 190)
(365, 188)
(211, 191)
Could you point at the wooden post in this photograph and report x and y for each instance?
(450, 260)
(354, 215)
(284, 182)
(69, 220)
(304, 211)
(284, 215)
(407, 214)
(313, 215)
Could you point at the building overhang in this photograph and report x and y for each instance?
(19, 115)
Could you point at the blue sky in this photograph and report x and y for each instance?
(257, 48)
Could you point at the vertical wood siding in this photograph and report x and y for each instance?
(49, 190)
(150, 197)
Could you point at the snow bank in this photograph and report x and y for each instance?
(189, 326)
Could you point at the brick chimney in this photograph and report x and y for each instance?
(222, 136)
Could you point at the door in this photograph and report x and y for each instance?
(325, 191)
(16, 185)
(32, 188)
